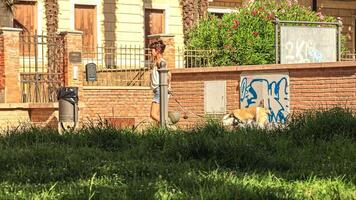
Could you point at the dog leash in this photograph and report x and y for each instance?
(183, 109)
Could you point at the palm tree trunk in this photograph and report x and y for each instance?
(193, 10)
(51, 11)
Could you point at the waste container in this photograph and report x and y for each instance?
(68, 104)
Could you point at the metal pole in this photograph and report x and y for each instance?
(163, 87)
(276, 37)
(339, 29)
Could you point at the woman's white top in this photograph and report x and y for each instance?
(154, 78)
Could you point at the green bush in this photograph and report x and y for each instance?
(247, 37)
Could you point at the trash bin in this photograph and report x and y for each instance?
(68, 104)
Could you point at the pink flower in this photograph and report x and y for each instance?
(270, 16)
(236, 22)
(254, 12)
(320, 15)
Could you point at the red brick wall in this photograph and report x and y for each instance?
(226, 3)
(44, 116)
(188, 89)
(322, 88)
(126, 103)
(2, 70)
(311, 86)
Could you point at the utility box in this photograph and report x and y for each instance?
(68, 104)
(90, 72)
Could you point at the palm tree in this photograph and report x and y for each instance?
(193, 10)
(51, 11)
(54, 47)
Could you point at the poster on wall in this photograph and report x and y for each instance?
(270, 88)
(308, 44)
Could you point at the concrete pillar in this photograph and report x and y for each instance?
(73, 67)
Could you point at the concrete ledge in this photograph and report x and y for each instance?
(160, 35)
(2, 29)
(29, 106)
(116, 88)
(274, 67)
(71, 32)
(26, 106)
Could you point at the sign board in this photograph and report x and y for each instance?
(90, 72)
(75, 57)
(306, 44)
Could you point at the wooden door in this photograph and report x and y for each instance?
(25, 17)
(85, 21)
(154, 23)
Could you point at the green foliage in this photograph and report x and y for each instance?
(207, 162)
(247, 37)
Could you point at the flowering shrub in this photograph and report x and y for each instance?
(247, 37)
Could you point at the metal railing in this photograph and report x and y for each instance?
(348, 56)
(189, 58)
(129, 65)
(126, 65)
(41, 72)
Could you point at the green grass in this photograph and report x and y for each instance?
(312, 158)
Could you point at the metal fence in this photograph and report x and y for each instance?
(129, 65)
(126, 65)
(348, 56)
(42, 62)
(189, 58)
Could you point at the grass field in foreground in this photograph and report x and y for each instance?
(312, 158)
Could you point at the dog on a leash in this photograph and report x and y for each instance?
(252, 116)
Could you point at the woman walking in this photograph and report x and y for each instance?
(157, 50)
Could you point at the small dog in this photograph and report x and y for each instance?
(255, 115)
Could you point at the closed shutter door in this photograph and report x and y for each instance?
(25, 17)
(85, 21)
(154, 22)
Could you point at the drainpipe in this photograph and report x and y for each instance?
(315, 5)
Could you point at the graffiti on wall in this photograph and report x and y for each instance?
(273, 89)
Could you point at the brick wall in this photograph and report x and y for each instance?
(11, 64)
(2, 70)
(116, 102)
(46, 116)
(322, 88)
(226, 3)
(188, 90)
(311, 86)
